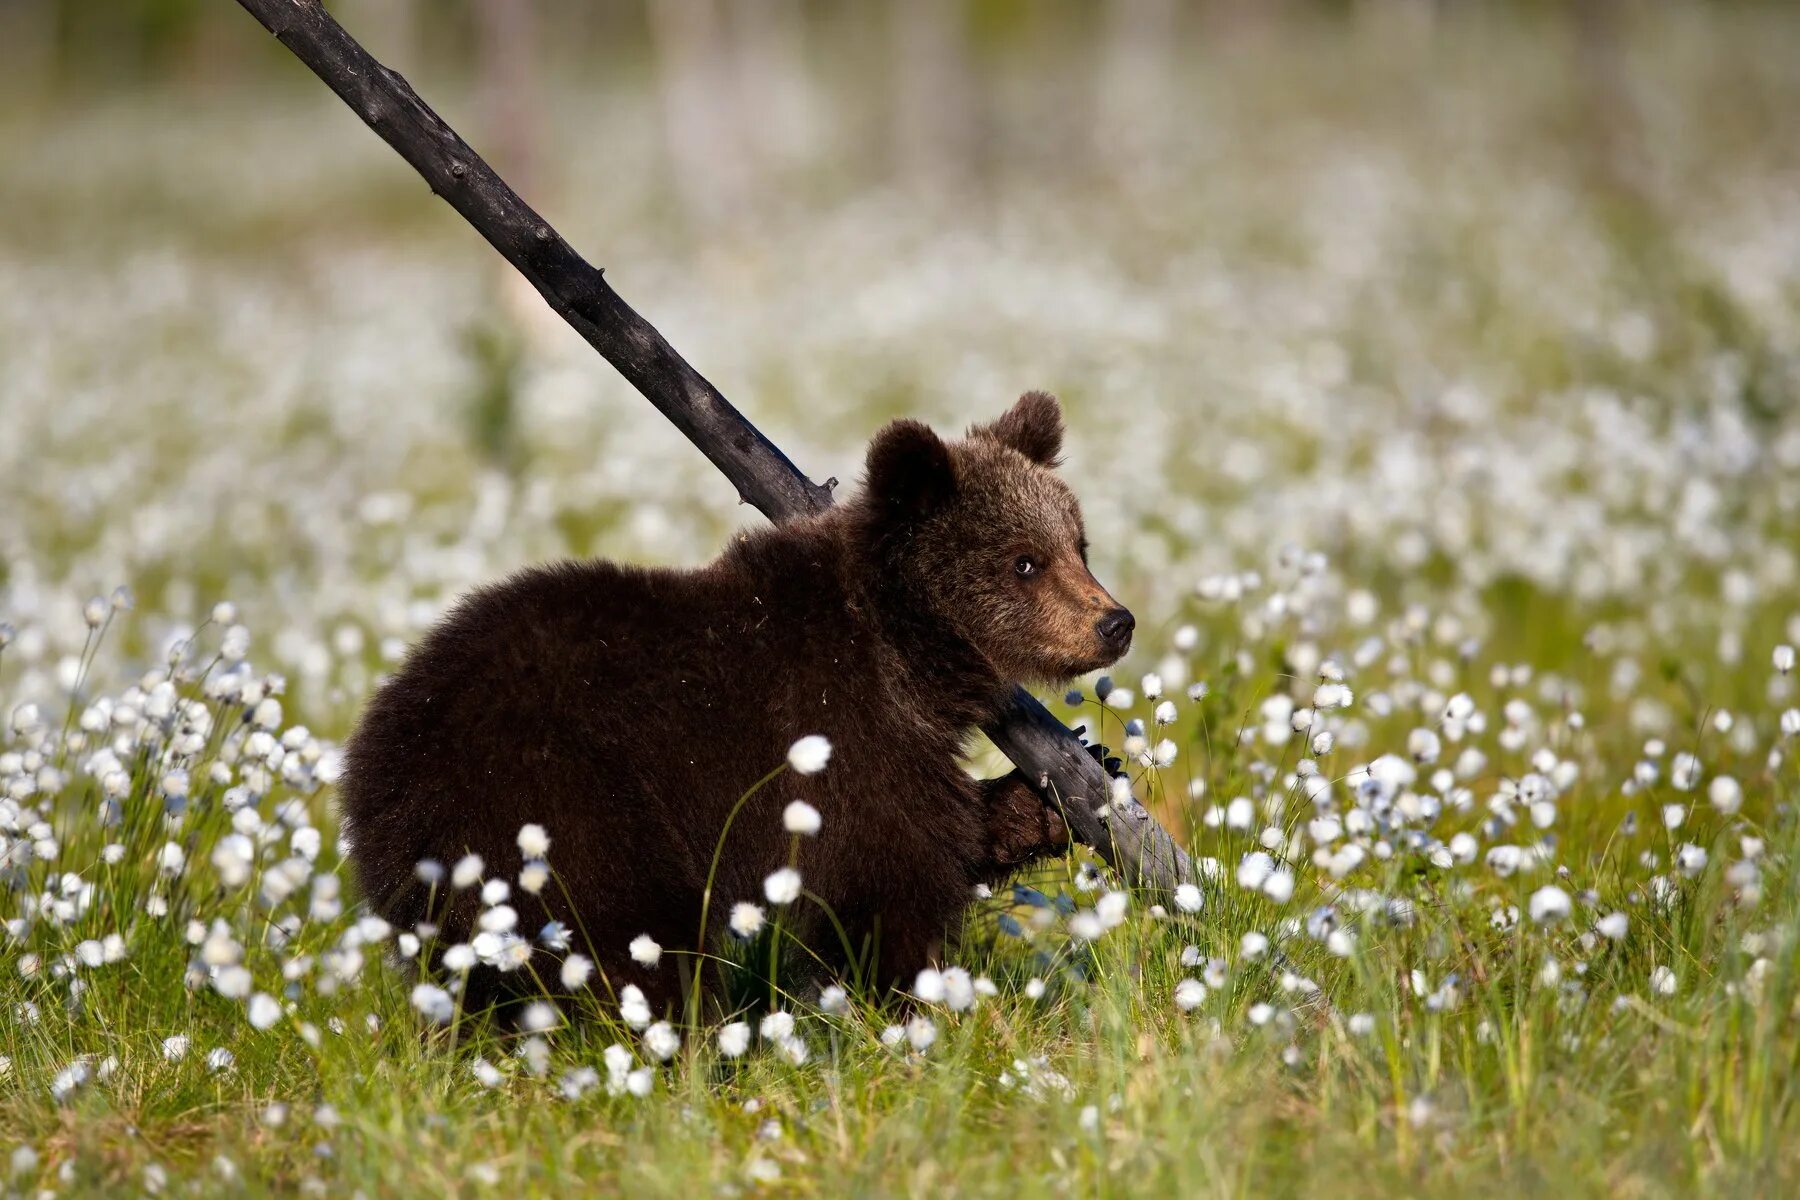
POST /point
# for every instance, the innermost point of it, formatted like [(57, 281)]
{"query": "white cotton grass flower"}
[(1086, 926), (1783, 658), (467, 871), (25, 718), (175, 1048), (809, 755), (959, 989), (734, 1039), (1663, 981), (1279, 886), (1254, 870), (1258, 872), (263, 1011), (1424, 745), (502, 918), (576, 969), (24, 1160), (645, 950), (746, 919), (1188, 898), (1725, 794), (69, 1080), (233, 982), (782, 886), (799, 817), (1328, 696), (1119, 794), (776, 1025), (267, 713), (533, 841), (661, 1041), (1189, 995), (634, 1006), (1112, 908), (928, 986), (539, 1016), (1549, 904), (576, 1082), (619, 1061), (433, 1003), (1613, 926)]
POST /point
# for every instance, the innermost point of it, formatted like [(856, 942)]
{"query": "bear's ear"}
[(1032, 426), (909, 472)]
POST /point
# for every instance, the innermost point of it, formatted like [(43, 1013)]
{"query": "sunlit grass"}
[(1413, 1023)]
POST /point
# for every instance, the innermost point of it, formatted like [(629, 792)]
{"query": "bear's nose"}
[(1115, 627)]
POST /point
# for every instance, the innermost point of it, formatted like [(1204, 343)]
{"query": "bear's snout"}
[(1115, 628)]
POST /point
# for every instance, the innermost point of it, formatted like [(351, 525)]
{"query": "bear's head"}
[(983, 535)]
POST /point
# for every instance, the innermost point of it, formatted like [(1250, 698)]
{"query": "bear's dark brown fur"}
[(626, 710)]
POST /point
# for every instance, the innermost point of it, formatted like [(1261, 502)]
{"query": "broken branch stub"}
[(1132, 841)]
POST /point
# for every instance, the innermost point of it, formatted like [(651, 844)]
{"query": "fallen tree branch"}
[(1128, 837)]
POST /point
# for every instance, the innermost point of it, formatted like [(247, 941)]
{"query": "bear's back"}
[(622, 708)]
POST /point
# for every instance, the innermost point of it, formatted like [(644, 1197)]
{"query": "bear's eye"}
[(1026, 566)]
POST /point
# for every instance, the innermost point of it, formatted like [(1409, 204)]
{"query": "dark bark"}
[(1132, 841), (1128, 837)]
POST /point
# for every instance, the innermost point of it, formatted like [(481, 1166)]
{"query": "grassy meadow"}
[(1432, 400)]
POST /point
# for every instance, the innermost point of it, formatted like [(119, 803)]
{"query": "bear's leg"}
[(1021, 827), (907, 944)]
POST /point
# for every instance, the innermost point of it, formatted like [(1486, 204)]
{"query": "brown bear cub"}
[(627, 709)]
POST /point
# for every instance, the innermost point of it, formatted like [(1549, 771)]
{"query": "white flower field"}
[(1436, 412)]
